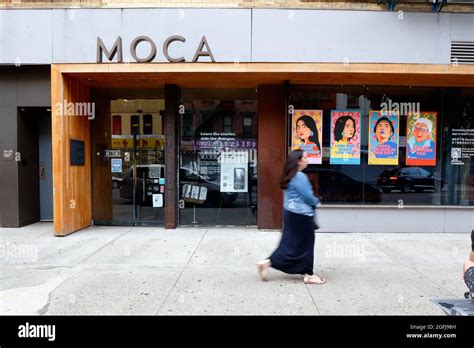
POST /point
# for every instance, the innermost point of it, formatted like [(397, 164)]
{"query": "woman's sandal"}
[(262, 268), (313, 279)]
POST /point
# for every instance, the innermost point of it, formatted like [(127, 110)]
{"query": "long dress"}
[(295, 253)]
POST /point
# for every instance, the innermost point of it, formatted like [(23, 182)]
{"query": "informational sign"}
[(8, 155), (234, 171), (208, 163), (113, 153), (116, 165), (383, 137), (156, 171), (345, 137), (306, 133), (462, 145), (421, 139), (221, 141), (76, 152), (194, 193), (157, 200)]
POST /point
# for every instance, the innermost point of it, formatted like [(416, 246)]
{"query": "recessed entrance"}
[(134, 154)]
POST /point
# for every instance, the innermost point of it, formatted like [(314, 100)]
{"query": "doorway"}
[(135, 156), (45, 166)]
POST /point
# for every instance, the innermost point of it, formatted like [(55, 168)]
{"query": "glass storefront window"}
[(434, 125), (136, 156), (218, 162)]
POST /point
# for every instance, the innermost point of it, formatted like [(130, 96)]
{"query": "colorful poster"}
[(306, 130), (421, 139), (345, 137), (383, 137)]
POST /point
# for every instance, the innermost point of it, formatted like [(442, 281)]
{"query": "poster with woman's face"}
[(345, 137), (421, 139), (383, 137), (307, 127)]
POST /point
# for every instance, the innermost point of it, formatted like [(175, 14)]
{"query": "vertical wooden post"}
[(71, 184), (171, 155), (271, 154)]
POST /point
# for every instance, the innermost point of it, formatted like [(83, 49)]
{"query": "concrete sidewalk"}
[(138, 270)]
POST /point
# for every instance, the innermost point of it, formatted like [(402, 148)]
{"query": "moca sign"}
[(202, 50)]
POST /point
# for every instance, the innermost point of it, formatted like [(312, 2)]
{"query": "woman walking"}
[(295, 254)]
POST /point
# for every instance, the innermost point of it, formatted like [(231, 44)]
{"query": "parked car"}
[(334, 186), (408, 179), (116, 181), (215, 197)]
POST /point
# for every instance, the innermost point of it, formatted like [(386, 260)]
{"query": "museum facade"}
[(184, 117)]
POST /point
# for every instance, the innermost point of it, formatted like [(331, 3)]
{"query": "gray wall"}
[(246, 35), (19, 86), (393, 219)]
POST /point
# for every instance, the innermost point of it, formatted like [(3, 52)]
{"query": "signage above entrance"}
[(112, 153), (202, 50)]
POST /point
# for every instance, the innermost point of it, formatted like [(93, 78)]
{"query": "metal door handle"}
[(143, 187), (43, 171)]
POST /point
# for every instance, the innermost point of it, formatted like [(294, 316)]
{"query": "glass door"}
[(138, 177)]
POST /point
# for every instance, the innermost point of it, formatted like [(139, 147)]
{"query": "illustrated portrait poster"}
[(306, 130), (383, 137), (345, 137), (421, 139)]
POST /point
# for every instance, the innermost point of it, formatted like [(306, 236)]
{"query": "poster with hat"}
[(421, 139)]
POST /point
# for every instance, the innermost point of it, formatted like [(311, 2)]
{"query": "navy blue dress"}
[(295, 253)]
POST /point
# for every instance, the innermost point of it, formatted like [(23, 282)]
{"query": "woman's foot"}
[(262, 268), (313, 279)]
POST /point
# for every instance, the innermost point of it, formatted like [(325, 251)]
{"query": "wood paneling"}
[(271, 154), (101, 173), (245, 75), (71, 82), (71, 184)]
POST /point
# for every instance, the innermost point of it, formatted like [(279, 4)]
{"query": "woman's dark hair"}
[(340, 125), (389, 122), (309, 122), (291, 167)]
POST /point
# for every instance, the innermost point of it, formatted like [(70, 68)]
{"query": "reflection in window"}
[(228, 128), (247, 130), (147, 124), (117, 125), (216, 190), (135, 124), (187, 125), (449, 182)]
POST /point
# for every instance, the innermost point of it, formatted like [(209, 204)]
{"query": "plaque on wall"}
[(76, 152)]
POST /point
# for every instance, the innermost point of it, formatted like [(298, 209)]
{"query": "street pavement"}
[(212, 271)]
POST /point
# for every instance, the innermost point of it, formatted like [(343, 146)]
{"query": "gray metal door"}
[(46, 168)]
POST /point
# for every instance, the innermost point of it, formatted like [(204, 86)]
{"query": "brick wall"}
[(315, 4)]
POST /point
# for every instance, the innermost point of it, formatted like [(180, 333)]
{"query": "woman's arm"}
[(303, 186)]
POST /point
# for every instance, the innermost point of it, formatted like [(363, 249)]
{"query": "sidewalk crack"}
[(180, 274), (312, 298), (103, 246)]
